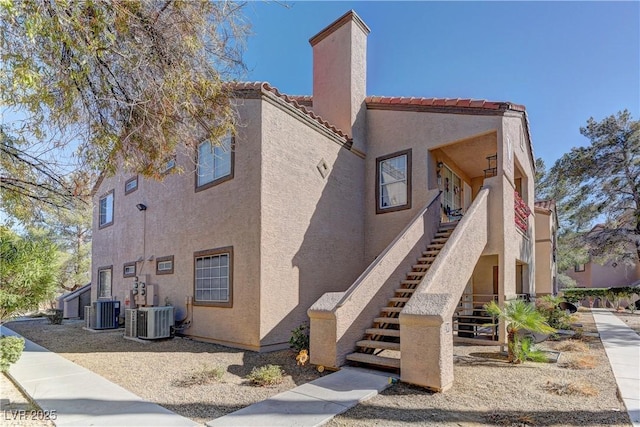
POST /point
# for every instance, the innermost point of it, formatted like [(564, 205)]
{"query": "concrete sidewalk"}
[(622, 346), (311, 404), (79, 397)]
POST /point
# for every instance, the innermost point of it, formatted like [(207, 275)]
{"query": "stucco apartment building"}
[(340, 208), (611, 274)]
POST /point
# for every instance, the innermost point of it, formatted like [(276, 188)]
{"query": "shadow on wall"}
[(331, 255)]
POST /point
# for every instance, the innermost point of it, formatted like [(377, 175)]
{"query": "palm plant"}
[(519, 316)]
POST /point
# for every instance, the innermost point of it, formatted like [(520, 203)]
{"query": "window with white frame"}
[(105, 212), (393, 186), (213, 277), (104, 282), (214, 163), (164, 265)]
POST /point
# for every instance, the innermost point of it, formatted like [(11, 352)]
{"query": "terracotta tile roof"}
[(445, 102), (266, 88), (306, 100)]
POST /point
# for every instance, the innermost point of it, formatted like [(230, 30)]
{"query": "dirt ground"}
[(577, 390)]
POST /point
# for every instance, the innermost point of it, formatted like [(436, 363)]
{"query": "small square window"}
[(170, 164), (164, 265), (129, 269), (580, 268), (131, 185), (105, 214)]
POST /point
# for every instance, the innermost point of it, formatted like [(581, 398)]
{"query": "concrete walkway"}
[(622, 345), (311, 404), (79, 397)]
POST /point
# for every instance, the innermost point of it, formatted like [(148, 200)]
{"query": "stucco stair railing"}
[(339, 319), (380, 346), (426, 319)]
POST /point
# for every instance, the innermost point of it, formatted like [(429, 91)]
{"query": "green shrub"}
[(523, 349), (55, 317), (300, 338), (554, 315), (265, 376), (10, 351), (203, 376)]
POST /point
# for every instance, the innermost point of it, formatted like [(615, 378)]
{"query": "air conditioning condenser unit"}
[(154, 322), (102, 315)]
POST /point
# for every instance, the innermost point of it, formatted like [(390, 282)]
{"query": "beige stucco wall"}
[(605, 276), (545, 266), (391, 131), (483, 275), (312, 228), (180, 221), (513, 156)]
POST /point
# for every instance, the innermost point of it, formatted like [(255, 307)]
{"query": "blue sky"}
[(565, 61)]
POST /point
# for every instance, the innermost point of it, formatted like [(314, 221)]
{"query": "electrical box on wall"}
[(129, 299), (144, 294)]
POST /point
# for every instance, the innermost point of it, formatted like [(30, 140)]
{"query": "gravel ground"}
[(160, 371), (487, 390)]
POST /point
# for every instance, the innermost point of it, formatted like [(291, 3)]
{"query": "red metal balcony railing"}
[(522, 213)]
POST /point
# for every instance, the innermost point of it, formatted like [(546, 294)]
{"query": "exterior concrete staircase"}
[(380, 346)]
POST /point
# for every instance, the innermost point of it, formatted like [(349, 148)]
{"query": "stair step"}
[(429, 258), (423, 266), (387, 320), (435, 245), (398, 299), (370, 359), (440, 239), (379, 344), (405, 290), (383, 332), (431, 252), (391, 309), (416, 273), (411, 282)]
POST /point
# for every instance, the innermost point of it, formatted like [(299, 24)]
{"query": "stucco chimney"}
[(340, 75)]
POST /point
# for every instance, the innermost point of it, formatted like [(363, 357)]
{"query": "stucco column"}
[(323, 337), (426, 343)]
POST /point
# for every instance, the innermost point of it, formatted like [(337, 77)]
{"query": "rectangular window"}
[(164, 265), (213, 277), (104, 282), (131, 185), (579, 268), (393, 182), (129, 269), (214, 163), (106, 210)]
